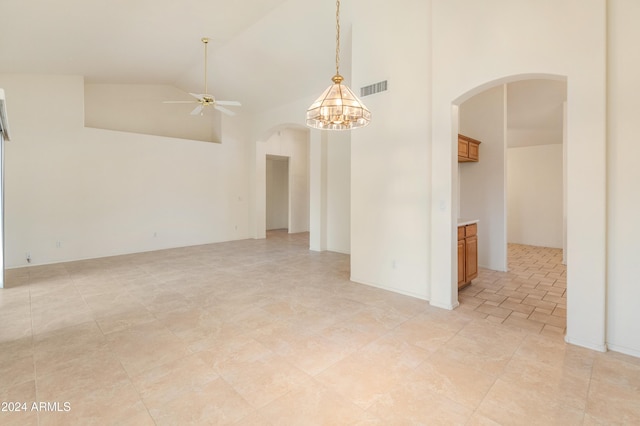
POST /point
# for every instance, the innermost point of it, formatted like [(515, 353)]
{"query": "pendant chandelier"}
[(337, 108)]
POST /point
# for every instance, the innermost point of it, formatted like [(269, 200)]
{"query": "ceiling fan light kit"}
[(206, 99), (338, 108)]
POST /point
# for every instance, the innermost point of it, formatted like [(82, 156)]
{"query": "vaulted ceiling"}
[(255, 44), (262, 52)]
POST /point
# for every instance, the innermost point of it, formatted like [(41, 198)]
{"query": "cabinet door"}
[(474, 153), (468, 149), (461, 262), (471, 258), (463, 148), (470, 230)]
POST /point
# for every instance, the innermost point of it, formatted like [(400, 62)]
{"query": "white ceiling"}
[(535, 112), (255, 43), (263, 52)]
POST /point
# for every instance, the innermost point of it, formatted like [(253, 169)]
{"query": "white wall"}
[(390, 173), (623, 315), (293, 144), (277, 182), (481, 44), (482, 184), (534, 195), (338, 182), (101, 193), (139, 108)]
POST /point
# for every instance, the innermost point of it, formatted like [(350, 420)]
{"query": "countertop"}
[(463, 222)]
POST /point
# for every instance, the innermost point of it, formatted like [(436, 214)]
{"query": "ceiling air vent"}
[(373, 88)]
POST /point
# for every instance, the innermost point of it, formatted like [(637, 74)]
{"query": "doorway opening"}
[(283, 202), (516, 191), (277, 193)]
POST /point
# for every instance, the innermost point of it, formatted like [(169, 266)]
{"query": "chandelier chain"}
[(338, 108), (337, 37)]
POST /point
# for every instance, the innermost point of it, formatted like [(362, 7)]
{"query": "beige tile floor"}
[(531, 296), (265, 332)]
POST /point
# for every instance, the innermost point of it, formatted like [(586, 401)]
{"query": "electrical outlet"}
[(28, 256)]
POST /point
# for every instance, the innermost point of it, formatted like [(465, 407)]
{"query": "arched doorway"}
[(586, 206), (516, 193)]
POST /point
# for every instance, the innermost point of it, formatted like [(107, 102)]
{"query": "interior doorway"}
[(517, 191), (277, 193), (285, 150), (536, 199), (535, 162)]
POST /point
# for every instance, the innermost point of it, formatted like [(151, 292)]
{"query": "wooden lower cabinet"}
[(467, 254), (470, 258), (461, 256)]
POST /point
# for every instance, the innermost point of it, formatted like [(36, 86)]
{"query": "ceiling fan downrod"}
[(205, 40)]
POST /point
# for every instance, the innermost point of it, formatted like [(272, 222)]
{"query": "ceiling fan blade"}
[(205, 99), (223, 109)]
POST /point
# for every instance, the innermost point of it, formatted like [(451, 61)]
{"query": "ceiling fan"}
[(206, 99)]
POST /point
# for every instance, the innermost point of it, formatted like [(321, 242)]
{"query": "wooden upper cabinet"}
[(468, 149)]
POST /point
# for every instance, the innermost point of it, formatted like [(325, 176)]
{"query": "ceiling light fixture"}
[(338, 108)]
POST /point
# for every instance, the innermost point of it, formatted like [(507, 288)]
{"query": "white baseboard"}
[(446, 306), (392, 289), (600, 347), (623, 350)]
